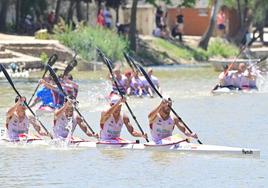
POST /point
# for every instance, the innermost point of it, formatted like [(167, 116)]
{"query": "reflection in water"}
[(164, 158), (113, 153)]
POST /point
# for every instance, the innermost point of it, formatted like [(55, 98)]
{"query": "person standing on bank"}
[(180, 24)]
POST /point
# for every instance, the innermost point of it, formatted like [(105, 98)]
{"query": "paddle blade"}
[(56, 80), (70, 67), (52, 60)]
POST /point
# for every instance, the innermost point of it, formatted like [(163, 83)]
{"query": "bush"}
[(178, 51), (85, 40), (41, 34), (43, 57), (220, 47)]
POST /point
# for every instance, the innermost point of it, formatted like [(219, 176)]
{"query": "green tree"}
[(207, 35), (4, 4), (250, 13)]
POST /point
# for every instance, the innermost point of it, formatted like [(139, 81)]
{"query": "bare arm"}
[(85, 129), (153, 114), (60, 111), (12, 110), (183, 129), (130, 127), (105, 115), (48, 85), (37, 126)]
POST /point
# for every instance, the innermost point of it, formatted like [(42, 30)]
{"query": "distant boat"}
[(24, 74)]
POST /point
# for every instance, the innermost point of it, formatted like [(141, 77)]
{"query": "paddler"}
[(121, 81), (17, 121), (45, 95), (162, 123), (65, 121), (154, 80), (112, 121)]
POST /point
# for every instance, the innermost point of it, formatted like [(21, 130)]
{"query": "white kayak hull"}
[(226, 90), (183, 147)]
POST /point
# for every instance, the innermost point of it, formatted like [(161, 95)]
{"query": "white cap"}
[(114, 99)]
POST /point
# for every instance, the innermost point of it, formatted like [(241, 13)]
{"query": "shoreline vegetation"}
[(152, 50)]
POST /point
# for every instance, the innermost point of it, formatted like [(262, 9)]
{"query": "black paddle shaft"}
[(56, 80), (108, 64), (16, 91), (51, 62), (128, 61), (159, 94)]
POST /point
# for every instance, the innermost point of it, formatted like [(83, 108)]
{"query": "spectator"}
[(28, 25), (180, 25), (107, 17), (122, 29), (175, 32), (100, 18), (246, 39), (51, 20), (158, 16), (221, 22), (161, 32)]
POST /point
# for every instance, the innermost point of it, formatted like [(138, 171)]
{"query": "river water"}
[(231, 120)]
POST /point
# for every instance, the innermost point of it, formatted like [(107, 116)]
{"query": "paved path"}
[(5, 39)]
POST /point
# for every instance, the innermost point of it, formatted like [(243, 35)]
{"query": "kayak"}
[(226, 90), (24, 74), (174, 143), (24, 139), (44, 109)]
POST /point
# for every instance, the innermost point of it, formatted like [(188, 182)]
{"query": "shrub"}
[(220, 47), (43, 57), (85, 40), (41, 34)]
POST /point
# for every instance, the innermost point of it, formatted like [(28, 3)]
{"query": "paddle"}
[(132, 62), (51, 62), (107, 62), (16, 91), (70, 65), (56, 80), (129, 61), (260, 60), (159, 94)]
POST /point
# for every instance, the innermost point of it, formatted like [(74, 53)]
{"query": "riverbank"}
[(152, 50)]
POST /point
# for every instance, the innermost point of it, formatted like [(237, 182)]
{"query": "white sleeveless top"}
[(15, 127), (162, 128), (111, 129), (63, 125)]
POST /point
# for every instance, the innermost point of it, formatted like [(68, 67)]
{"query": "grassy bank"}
[(153, 51), (85, 40), (168, 51)]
